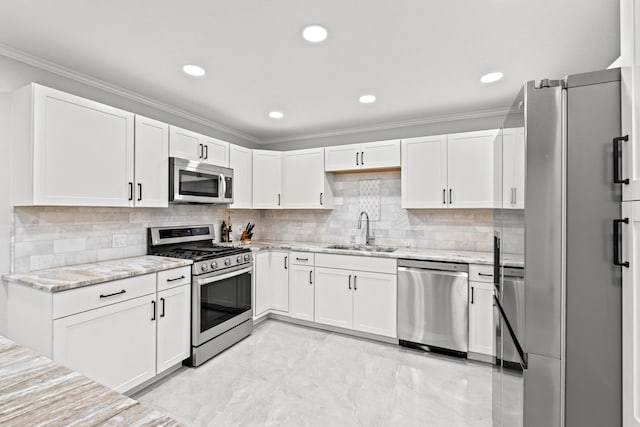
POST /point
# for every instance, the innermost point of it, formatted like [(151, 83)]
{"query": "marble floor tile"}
[(289, 375)]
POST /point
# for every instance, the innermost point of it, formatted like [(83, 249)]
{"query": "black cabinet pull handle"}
[(357, 163), (113, 294), (355, 287), (162, 300), (362, 158), (174, 279), (206, 152), (321, 199), (285, 262), (154, 310), (472, 294), (311, 277), (485, 274), (617, 157), (302, 259), (450, 196), (139, 192), (201, 154), (278, 199), (444, 196), (616, 240), (350, 281), (131, 191)]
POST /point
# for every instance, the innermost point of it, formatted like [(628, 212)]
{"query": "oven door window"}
[(223, 300), (199, 184)]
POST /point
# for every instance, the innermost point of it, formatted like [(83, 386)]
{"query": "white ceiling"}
[(419, 57)]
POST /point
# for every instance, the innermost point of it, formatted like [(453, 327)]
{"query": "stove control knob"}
[(214, 265), (247, 257), (227, 261), (239, 259), (204, 267)]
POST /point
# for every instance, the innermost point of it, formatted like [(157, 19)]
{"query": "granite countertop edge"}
[(76, 276)]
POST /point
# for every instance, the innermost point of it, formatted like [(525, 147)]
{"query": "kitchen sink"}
[(363, 248)]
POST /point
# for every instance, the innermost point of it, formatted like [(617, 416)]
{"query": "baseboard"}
[(153, 380)]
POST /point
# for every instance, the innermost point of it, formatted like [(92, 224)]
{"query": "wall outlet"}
[(119, 240)]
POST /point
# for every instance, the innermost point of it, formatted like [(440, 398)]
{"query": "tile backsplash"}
[(45, 237)]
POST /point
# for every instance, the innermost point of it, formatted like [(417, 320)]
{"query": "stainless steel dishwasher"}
[(433, 305)]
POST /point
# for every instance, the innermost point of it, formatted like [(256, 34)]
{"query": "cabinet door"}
[(630, 309), (262, 283), (380, 154), (301, 292), (303, 178), (424, 172), (508, 168), (83, 151), (216, 152), (374, 303), (174, 326), (113, 345), (185, 144), (481, 328), (470, 169), (241, 161), (334, 297), (519, 170), (280, 263), (267, 179), (151, 163), (342, 157)]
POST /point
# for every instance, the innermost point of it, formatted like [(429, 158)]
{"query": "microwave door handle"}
[(224, 186)]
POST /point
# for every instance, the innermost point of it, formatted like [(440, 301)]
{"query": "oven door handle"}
[(202, 282)]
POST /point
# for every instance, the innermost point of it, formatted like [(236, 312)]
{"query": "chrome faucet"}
[(369, 238)]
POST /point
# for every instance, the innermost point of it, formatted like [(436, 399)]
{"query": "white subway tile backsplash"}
[(69, 245)]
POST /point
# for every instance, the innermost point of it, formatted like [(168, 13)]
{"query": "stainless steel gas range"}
[(220, 286)]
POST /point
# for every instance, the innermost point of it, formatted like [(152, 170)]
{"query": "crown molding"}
[(496, 112), (63, 71)]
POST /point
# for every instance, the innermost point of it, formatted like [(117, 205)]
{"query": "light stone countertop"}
[(35, 390), (466, 257), (76, 276)]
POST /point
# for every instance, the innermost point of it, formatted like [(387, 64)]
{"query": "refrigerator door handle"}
[(616, 241), (616, 160)]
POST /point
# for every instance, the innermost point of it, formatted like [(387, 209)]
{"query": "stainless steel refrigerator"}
[(559, 344)]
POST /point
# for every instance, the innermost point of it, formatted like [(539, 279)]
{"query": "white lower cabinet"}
[(174, 315), (113, 345), (272, 282), (481, 315), (301, 292), (358, 300), (120, 333)]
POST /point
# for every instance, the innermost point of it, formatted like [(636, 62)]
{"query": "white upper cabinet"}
[(371, 155), (424, 172), (190, 145), (70, 151), (267, 179), (304, 181), (241, 161), (151, 163), (513, 153), (470, 169)]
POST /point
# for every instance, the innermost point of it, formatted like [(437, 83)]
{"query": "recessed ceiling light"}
[(276, 114), (491, 77), (367, 99), (314, 33), (193, 70)]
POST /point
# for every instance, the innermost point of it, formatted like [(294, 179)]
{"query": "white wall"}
[(5, 209)]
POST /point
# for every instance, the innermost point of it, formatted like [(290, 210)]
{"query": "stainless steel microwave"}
[(197, 182)]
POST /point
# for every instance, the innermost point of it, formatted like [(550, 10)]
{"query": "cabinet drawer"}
[(168, 279), (361, 263), (74, 301), (302, 258), (481, 273)]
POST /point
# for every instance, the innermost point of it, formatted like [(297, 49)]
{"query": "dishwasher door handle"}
[(433, 272)]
